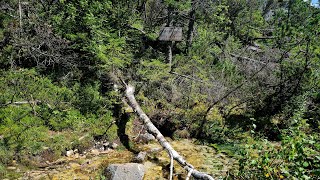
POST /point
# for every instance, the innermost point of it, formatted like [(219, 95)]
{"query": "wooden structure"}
[(170, 34)]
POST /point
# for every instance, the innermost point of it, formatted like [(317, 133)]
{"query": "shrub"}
[(296, 157)]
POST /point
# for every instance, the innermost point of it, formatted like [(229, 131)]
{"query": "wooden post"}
[(169, 55), (170, 34)]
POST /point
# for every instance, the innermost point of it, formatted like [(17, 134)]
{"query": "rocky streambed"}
[(155, 162)]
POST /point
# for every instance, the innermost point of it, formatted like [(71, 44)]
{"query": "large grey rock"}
[(129, 171)]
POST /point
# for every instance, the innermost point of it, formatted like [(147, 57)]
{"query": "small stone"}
[(69, 153), (140, 157), (95, 152), (76, 155), (75, 151), (106, 145), (113, 145)]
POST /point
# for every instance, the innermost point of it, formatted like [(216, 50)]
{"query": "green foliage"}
[(248, 23), (2, 170), (179, 5), (46, 109), (27, 85), (254, 64), (297, 156), (71, 119), (22, 132), (93, 28)]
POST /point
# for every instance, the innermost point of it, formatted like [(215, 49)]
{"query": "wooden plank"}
[(171, 34)]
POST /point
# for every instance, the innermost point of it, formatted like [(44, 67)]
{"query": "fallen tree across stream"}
[(129, 94)]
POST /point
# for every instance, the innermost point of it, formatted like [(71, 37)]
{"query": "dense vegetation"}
[(246, 76)]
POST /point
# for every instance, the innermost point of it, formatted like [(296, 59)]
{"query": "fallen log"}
[(129, 93)]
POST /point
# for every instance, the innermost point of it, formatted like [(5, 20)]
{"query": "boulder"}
[(140, 157), (146, 137), (132, 171)]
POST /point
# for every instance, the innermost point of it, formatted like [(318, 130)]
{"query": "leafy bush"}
[(36, 115), (2, 170), (296, 157)]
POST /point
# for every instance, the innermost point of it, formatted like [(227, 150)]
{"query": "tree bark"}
[(170, 43), (192, 19), (20, 15), (129, 93)]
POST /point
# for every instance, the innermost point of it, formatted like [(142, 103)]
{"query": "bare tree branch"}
[(246, 58), (21, 103), (185, 76)]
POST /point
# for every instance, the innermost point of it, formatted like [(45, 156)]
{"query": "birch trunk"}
[(129, 93)]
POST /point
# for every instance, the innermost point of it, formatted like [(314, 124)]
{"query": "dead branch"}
[(264, 37), (140, 30), (185, 76), (204, 119), (189, 174), (171, 165), (129, 93), (21, 103), (246, 58)]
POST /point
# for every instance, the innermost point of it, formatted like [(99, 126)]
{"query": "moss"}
[(178, 134)]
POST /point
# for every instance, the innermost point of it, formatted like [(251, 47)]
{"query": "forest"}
[(243, 80)]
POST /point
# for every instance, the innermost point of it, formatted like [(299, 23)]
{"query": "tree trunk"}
[(129, 93), (170, 43), (192, 19)]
